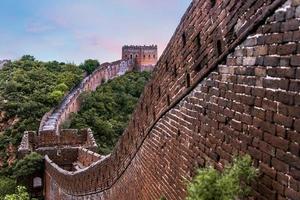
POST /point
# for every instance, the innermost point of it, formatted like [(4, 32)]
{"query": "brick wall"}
[(51, 142), (228, 83), (144, 56), (87, 157)]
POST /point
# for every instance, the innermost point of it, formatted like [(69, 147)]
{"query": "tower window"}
[(213, 3), (188, 80), (175, 71), (168, 100), (136, 56), (219, 47), (183, 38), (167, 66), (131, 56), (149, 56), (198, 41), (153, 56), (144, 56)]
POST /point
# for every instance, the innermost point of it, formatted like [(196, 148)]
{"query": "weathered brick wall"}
[(144, 56), (87, 157), (228, 83)]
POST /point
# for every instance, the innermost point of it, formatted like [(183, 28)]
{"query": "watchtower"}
[(144, 56)]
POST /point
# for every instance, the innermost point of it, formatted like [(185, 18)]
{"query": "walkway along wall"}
[(228, 83), (52, 120)]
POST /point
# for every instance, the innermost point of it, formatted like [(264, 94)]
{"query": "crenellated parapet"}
[(49, 140)]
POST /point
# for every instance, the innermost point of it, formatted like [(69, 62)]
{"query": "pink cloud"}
[(95, 42), (74, 16)]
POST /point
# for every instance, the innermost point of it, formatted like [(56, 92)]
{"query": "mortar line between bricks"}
[(260, 17)]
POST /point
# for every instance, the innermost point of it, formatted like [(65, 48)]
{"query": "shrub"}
[(209, 184), (21, 194), (28, 165), (7, 186)]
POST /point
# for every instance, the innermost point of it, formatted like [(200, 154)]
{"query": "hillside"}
[(107, 110), (28, 89)]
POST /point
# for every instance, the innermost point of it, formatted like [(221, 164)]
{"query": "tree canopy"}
[(28, 89), (90, 65), (209, 184)]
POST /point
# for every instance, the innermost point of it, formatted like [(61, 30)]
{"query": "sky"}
[(76, 30)]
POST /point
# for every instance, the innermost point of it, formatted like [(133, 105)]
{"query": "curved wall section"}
[(52, 120), (230, 86)]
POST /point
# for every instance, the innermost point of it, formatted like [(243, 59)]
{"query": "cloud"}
[(74, 16), (95, 43), (38, 27)]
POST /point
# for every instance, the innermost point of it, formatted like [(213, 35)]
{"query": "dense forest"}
[(28, 89), (107, 110)]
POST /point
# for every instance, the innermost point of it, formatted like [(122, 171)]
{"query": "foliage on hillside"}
[(107, 110), (28, 89), (89, 65), (20, 194), (19, 171), (209, 184)]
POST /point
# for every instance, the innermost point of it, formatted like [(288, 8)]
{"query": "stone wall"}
[(228, 83), (71, 104), (50, 141), (87, 157), (145, 56)]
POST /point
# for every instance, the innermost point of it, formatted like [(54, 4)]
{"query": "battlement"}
[(50, 140), (148, 47), (145, 56)]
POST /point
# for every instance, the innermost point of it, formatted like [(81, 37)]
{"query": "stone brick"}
[(274, 38), (276, 141), (288, 37), (249, 61), (295, 85), (295, 60), (283, 120), (292, 194), (280, 166), (286, 49), (261, 50), (271, 61), (290, 25), (282, 72)]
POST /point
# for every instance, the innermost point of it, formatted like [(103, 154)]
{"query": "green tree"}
[(90, 65), (21, 194), (28, 58), (7, 186), (55, 96), (209, 184), (28, 165)]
